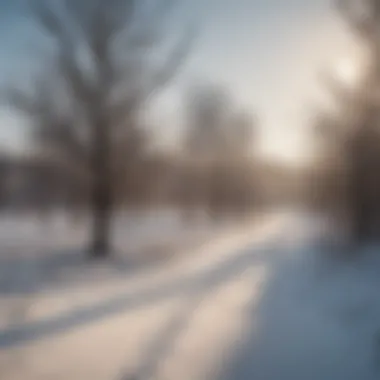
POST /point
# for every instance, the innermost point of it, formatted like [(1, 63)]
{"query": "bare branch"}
[(359, 15), (70, 69), (48, 18), (170, 68), (76, 82), (33, 104)]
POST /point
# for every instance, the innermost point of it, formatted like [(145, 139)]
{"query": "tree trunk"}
[(100, 245), (362, 206), (361, 222), (101, 202)]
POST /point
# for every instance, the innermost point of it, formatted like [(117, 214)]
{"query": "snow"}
[(318, 318), (260, 300)]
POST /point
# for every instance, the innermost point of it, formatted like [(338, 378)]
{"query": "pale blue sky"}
[(267, 52)]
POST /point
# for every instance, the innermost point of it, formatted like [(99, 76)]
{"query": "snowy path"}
[(126, 326), (255, 304)]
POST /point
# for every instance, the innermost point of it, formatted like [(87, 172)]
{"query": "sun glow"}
[(348, 71)]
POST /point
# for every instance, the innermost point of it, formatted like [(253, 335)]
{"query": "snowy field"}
[(49, 252), (259, 300)]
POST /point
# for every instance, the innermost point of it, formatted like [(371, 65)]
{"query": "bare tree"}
[(218, 142), (107, 64), (207, 113), (352, 132), (216, 127)]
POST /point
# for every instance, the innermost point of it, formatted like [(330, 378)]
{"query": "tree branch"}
[(170, 68), (360, 19)]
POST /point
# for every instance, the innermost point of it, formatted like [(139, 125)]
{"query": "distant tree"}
[(218, 143), (105, 68), (208, 110)]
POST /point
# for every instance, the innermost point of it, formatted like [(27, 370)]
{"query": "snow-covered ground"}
[(256, 301), (49, 252)]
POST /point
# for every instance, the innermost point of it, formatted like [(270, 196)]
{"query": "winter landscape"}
[(189, 190)]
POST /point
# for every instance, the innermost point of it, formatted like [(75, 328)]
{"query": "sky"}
[(267, 53)]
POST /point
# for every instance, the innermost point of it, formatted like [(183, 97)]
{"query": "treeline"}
[(43, 185)]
